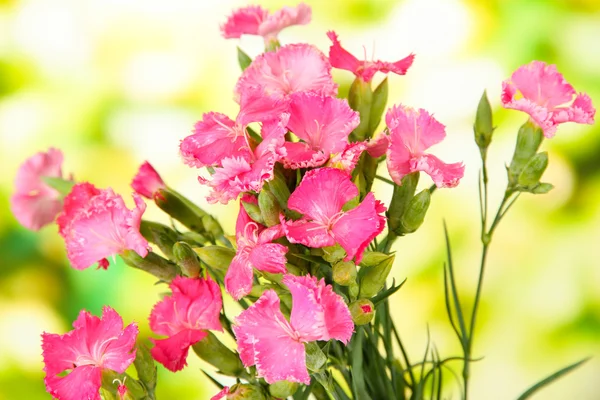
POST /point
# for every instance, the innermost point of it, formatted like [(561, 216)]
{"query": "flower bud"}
[(145, 367), (147, 181), (187, 259), (211, 350), (161, 235), (344, 273), (362, 311), (372, 258), (415, 212), (269, 208), (245, 391), (533, 170), (217, 258), (483, 127), (253, 210), (529, 140), (380, 97), (353, 290), (360, 98), (373, 279), (283, 389), (333, 254), (400, 199), (212, 226), (180, 208), (153, 264)]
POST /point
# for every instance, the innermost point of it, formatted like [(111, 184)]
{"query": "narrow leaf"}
[(550, 379)]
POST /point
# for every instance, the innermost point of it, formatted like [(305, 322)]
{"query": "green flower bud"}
[(145, 367), (344, 273), (415, 212), (529, 140), (283, 389), (373, 278), (187, 259), (400, 199), (245, 391), (360, 98), (211, 350), (212, 226), (372, 258), (379, 101), (362, 311), (253, 211), (333, 254), (153, 264), (533, 170), (217, 258), (353, 290), (161, 235), (483, 127), (180, 208), (269, 208)]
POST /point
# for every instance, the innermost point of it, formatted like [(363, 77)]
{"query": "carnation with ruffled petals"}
[(96, 224), (95, 344), (542, 92), (184, 316), (34, 203), (411, 133), (254, 250), (255, 20), (320, 197), (268, 340), (292, 68), (323, 123), (147, 181), (365, 70)]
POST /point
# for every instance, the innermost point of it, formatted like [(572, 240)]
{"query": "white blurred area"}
[(158, 65)]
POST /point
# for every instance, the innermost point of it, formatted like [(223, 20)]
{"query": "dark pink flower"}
[(96, 224), (321, 197), (255, 20), (275, 345), (323, 123), (217, 137), (184, 316), (94, 345), (292, 68), (254, 250), (542, 92), (365, 70), (34, 203), (411, 133), (147, 181)]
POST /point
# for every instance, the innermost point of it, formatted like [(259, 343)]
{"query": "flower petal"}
[(269, 257), (81, 383), (172, 352)]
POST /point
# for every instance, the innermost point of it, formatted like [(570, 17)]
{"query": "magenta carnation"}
[(147, 181)]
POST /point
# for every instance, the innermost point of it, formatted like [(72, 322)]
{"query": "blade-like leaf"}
[(550, 379)]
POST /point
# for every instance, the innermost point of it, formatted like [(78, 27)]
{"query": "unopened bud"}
[(211, 350), (483, 127), (153, 264), (372, 258), (344, 273), (147, 181), (380, 97), (283, 389), (529, 139), (245, 391), (400, 199), (145, 367), (360, 98), (333, 254), (217, 258), (414, 215), (362, 311), (269, 208), (374, 278), (353, 290), (187, 259), (159, 234), (212, 226), (253, 211), (533, 170), (180, 208)]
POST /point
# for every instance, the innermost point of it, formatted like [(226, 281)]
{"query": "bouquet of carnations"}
[(313, 246)]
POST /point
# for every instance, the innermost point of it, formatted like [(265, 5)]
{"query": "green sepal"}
[(243, 59)]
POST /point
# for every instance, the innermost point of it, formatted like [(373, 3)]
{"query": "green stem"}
[(386, 180)]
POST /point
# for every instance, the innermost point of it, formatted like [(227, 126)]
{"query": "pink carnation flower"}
[(323, 123), (249, 173), (542, 92), (96, 224), (347, 159), (413, 132), (320, 197), (184, 316), (365, 70), (268, 340), (254, 250), (217, 137), (94, 345), (147, 181), (255, 20), (292, 68), (34, 203)]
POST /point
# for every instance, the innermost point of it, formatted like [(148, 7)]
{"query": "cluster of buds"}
[(306, 263)]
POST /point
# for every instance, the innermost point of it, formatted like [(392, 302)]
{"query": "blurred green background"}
[(113, 83)]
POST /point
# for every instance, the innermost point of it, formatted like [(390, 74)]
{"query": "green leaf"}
[(542, 188), (529, 139), (243, 59), (61, 185), (550, 379), (387, 293), (358, 379)]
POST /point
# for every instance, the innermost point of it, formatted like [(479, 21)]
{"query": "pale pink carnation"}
[(275, 345), (96, 224), (34, 203), (411, 133), (184, 316), (254, 250), (323, 123), (365, 70), (321, 197), (290, 69), (542, 92), (255, 20), (147, 181), (94, 345)]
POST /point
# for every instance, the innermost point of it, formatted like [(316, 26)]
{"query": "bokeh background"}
[(115, 82)]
